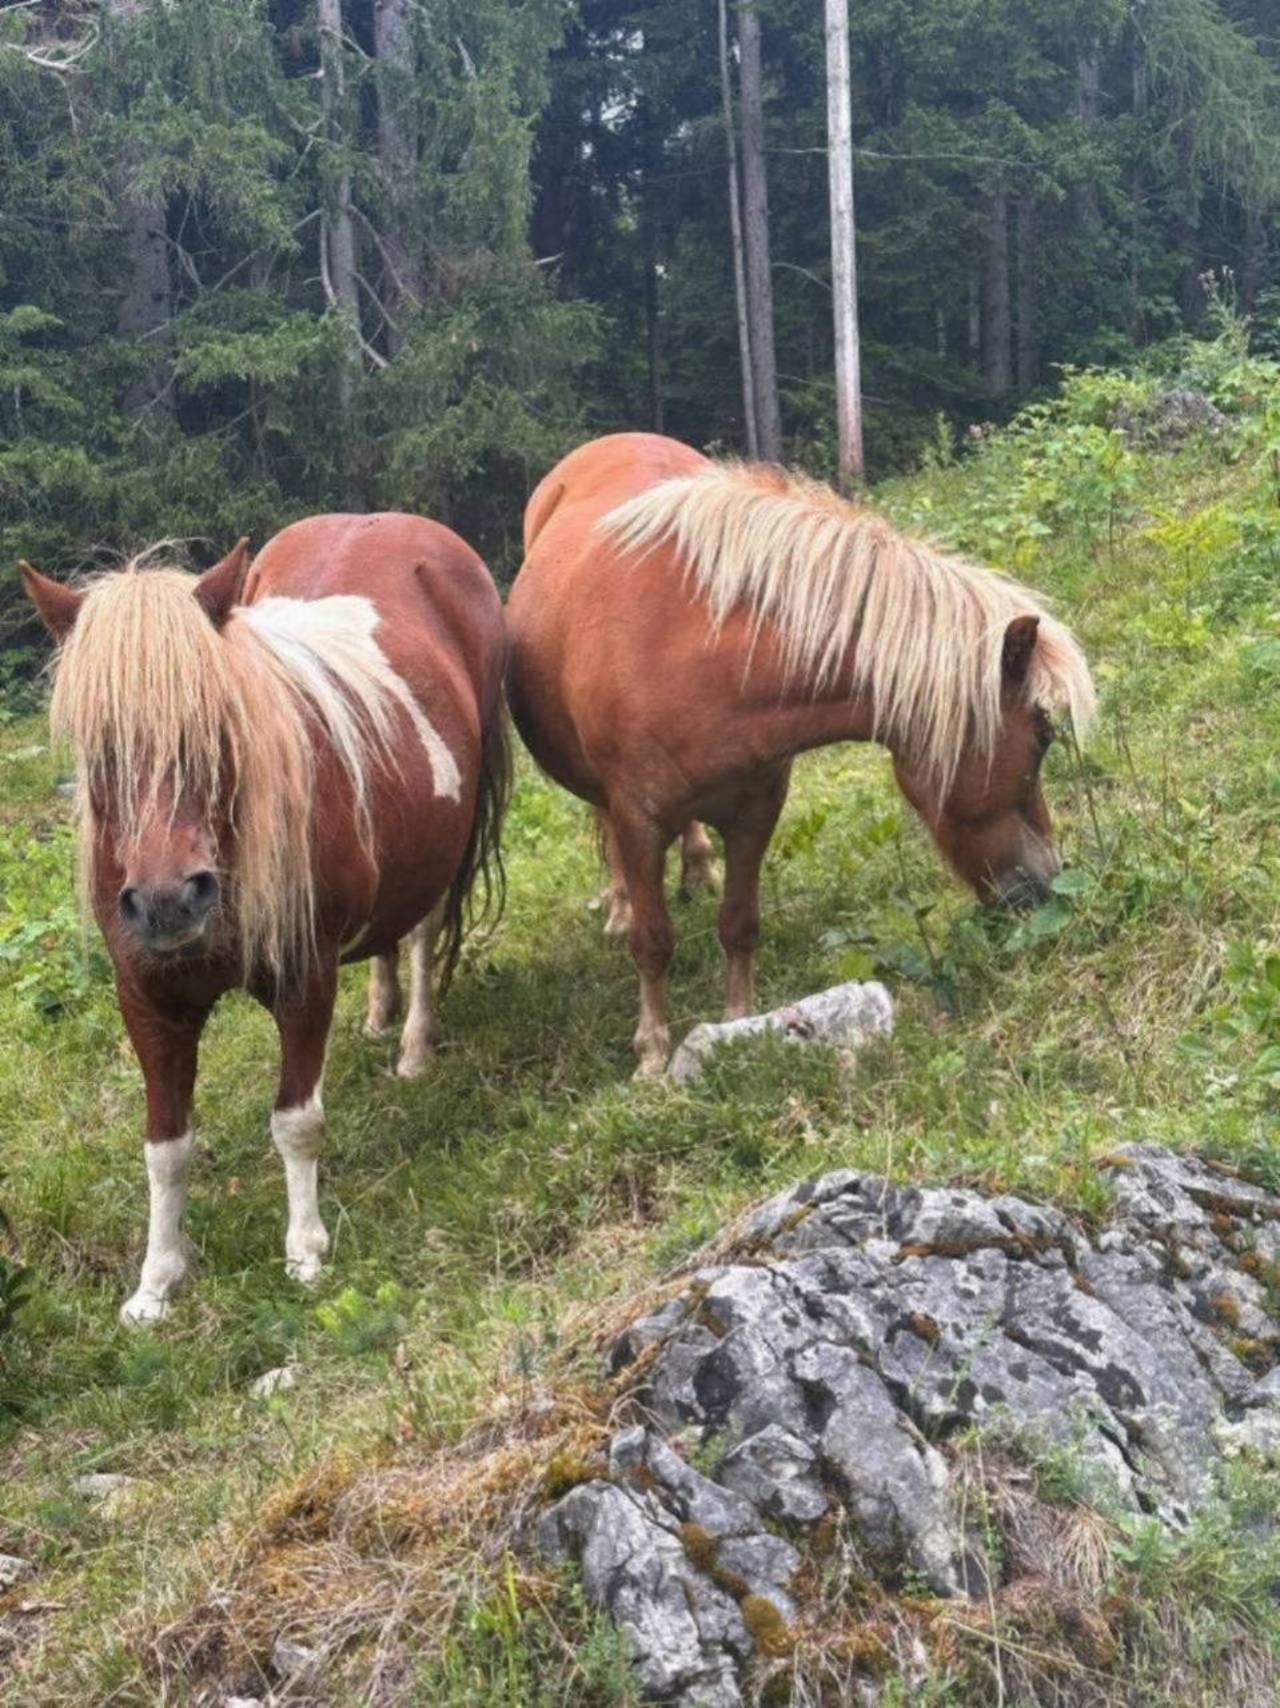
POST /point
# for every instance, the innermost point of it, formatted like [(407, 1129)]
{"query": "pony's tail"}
[(482, 863)]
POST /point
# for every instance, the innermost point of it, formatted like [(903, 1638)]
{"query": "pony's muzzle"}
[(166, 916)]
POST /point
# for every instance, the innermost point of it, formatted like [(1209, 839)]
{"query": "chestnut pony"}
[(278, 772), (681, 629)]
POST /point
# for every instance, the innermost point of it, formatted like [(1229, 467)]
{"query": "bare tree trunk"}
[(337, 234), (844, 261), (755, 202), (1186, 224), (995, 293), (735, 229), (146, 307), (652, 307), (1088, 91), (402, 289), (1137, 189), (1028, 354), (974, 319)]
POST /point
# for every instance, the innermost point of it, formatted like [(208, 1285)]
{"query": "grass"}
[(490, 1218)]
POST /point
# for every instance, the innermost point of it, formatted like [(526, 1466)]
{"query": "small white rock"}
[(14, 1570), (277, 1381), (294, 1660), (846, 1015), (98, 1484)]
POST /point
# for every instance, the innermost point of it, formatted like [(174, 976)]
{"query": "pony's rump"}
[(825, 575)]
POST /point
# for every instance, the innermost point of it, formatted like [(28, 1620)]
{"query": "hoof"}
[(373, 1030), (651, 1067), (705, 875), (413, 1064), (618, 923), (143, 1307), (305, 1270)]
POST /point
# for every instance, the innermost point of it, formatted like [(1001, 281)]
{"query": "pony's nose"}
[(159, 911), (1022, 889)]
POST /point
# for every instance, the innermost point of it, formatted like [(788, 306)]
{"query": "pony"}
[(280, 768), (682, 628)]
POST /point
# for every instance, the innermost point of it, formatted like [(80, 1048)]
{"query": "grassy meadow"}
[(491, 1220)]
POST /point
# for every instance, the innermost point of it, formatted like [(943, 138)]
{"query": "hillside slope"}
[(492, 1220)]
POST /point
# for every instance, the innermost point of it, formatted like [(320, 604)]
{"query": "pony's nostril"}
[(131, 908), (200, 892)]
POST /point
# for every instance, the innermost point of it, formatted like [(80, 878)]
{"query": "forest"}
[(265, 257)]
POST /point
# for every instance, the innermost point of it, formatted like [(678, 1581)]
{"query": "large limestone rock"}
[(854, 1329)]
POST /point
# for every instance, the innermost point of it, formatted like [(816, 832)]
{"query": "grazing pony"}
[(278, 773), (681, 629)]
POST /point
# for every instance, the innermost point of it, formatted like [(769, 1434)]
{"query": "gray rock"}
[(14, 1570), (854, 1328), (1171, 417), (278, 1381), (292, 1660), (847, 1015)]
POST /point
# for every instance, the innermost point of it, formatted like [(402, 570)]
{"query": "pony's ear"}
[(1019, 644), (58, 606), (219, 588)]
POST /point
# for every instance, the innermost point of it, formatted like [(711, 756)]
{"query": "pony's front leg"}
[(745, 840), (167, 1046), (297, 1124), (419, 1025), (642, 848)]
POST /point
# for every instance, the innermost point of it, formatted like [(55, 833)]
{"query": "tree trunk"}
[(995, 292), (1186, 224), (974, 319), (652, 305), (146, 307), (1088, 89), (1254, 261), (735, 230), (1137, 190), (755, 200), (844, 262), (1028, 355), (402, 288), (337, 236)]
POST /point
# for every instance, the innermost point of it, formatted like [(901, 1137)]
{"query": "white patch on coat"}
[(165, 1266), (296, 1133), (328, 646)]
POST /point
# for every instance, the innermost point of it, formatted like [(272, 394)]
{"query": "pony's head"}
[(147, 690), (987, 811)]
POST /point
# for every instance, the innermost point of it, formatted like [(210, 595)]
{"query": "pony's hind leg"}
[(384, 994), (420, 1028), (167, 1048), (746, 837), (697, 861), (297, 1123), (614, 897), (642, 848)]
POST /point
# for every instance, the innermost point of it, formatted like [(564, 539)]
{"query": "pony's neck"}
[(792, 716)]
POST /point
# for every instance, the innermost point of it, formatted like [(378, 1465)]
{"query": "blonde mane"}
[(158, 703), (920, 632)]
